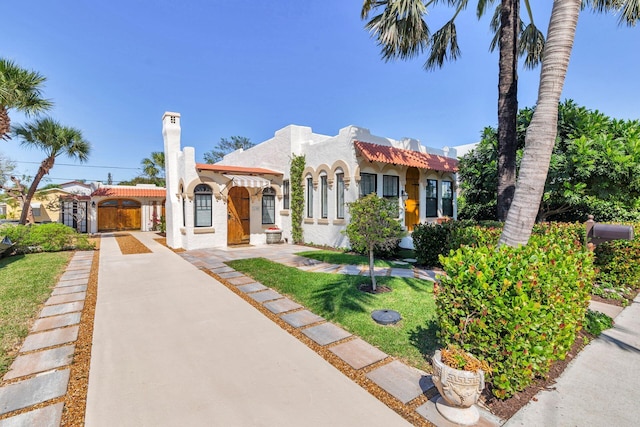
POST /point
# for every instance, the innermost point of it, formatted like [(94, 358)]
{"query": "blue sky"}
[(251, 67)]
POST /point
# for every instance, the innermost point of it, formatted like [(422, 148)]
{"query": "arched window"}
[(203, 206), (268, 206)]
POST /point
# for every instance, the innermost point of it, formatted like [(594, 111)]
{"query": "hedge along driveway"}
[(25, 283), (336, 297)]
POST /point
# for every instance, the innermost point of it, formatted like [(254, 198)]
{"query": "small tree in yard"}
[(374, 225)]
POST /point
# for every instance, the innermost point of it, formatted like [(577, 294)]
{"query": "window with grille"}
[(269, 206), (203, 206)]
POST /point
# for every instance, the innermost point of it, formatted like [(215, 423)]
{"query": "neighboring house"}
[(95, 207), (126, 207), (238, 199)]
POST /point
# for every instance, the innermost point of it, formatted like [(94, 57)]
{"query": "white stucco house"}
[(239, 199)]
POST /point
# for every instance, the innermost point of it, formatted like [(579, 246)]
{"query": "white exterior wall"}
[(324, 155)]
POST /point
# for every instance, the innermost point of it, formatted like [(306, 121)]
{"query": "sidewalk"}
[(601, 387), (172, 346)]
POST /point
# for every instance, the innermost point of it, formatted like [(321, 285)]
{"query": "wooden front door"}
[(412, 205), (238, 214), (119, 214)]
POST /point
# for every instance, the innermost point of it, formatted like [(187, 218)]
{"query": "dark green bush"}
[(50, 237), (596, 322), (519, 309)]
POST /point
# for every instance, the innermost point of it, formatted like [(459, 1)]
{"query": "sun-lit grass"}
[(333, 257), (25, 283), (336, 298)]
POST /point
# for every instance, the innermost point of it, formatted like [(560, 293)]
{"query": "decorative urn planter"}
[(274, 235), (459, 391)]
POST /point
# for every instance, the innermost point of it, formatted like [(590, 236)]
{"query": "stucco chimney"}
[(171, 136)]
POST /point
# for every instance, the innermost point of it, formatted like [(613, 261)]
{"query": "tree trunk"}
[(371, 272), (44, 169), (541, 133), (5, 123), (507, 105)]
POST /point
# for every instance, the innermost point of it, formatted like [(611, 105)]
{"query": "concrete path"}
[(601, 387), (172, 346)]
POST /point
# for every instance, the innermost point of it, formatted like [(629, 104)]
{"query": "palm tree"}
[(154, 166), (402, 33), (541, 133), (55, 140), (20, 89)]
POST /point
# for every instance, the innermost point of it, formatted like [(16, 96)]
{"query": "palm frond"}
[(444, 46), (531, 46), (399, 29), (482, 7), (630, 13)]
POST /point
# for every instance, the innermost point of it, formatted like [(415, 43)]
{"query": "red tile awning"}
[(399, 156), (129, 192)]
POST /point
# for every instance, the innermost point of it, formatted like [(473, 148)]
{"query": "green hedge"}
[(618, 264), (50, 237), (519, 309)]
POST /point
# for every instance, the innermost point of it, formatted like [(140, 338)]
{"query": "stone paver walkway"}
[(40, 373)]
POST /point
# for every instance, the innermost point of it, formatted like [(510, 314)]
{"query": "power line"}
[(80, 166)]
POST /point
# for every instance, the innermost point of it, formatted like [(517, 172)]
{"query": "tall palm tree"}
[(20, 89), (541, 133), (153, 167), (54, 140), (402, 33)]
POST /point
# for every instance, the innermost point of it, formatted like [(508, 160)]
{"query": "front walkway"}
[(172, 346)]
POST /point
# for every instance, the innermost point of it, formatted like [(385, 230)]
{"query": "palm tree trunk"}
[(44, 169), (541, 133), (5, 123), (507, 105)]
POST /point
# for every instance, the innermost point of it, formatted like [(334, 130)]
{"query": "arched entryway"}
[(412, 205), (119, 214), (238, 216)]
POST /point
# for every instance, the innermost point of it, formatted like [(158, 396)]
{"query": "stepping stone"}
[(68, 289), (241, 280), (281, 305), (35, 390), (252, 287), (401, 381), (61, 299), (50, 338), (40, 361), (431, 414), (400, 262), (425, 275), (358, 353), (265, 295), (53, 310), (326, 333), (352, 270), (73, 275), (410, 260), (301, 318), (402, 272), (56, 322), (327, 268), (225, 269), (74, 282), (230, 274), (47, 416)]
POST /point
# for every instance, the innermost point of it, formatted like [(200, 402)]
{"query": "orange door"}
[(238, 223), (119, 214), (412, 205)]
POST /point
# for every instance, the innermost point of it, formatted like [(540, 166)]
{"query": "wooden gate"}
[(238, 214), (119, 214), (412, 205)]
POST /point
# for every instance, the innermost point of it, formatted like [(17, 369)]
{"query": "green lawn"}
[(25, 283), (336, 298), (333, 257)]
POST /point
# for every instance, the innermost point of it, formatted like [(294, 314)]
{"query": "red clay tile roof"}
[(129, 192), (399, 156), (235, 169)]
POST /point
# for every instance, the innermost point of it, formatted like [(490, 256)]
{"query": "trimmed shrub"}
[(518, 309), (52, 237), (618, 264)]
